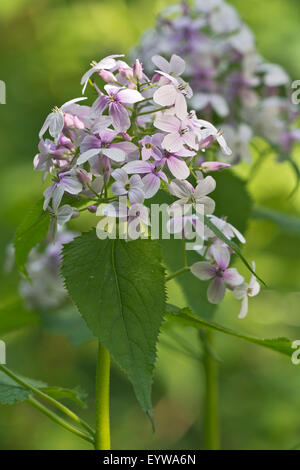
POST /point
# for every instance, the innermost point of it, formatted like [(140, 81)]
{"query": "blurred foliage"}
[(45, 47)]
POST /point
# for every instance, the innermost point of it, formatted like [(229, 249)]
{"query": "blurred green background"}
[(45, 47)]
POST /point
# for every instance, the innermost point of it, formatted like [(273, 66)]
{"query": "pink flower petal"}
[(216, 290), (178, 168), (203, 270), (165, 96)]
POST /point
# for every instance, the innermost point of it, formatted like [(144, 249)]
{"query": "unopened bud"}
[(126, 73), (92, 209), (207, 167), (83, 177), (138, 70), (107, 76)]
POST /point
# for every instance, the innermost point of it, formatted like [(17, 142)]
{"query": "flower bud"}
[(92, 209), (107, 76), (126, 73), (207, 167), (138, 70), (83, 177)]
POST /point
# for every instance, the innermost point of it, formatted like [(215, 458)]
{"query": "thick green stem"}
[(50, 400), (57, 419), (102, 438), (211, 405)]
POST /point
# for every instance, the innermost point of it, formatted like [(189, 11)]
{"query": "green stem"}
[(57, 419), (153, 111), (102, 438), (211, 406), (178, 273), (46, 397)]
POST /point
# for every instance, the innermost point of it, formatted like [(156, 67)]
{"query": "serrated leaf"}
[(186, 317), (31, 231), (118, 287), (12, 392)]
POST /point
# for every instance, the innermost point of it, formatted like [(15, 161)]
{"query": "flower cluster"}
[(136, 138), (233, 85)]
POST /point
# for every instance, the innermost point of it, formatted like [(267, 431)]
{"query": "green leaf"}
[(11, 392), (118, 287), (14, 316), (187, 318), (30, 232), (59, 393), (287, 223)]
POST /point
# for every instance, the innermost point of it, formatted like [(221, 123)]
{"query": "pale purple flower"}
[(105, 64), (173, 94), (116, 100), (150, 146), (176, 165), (152, 175), (178, 134), (187, 194), (219, 274), (226, 228), (101, 145), (244, 291), (175, 67), (123, 185), (66, 182), (55, 120)]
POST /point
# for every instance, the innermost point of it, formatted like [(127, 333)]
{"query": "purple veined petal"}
[(161, 63), (101, 123), (136, 196), (208, 203), (173, 142), (46, 125), (177, 65), (216, 290), (162, 176), (221, 255), (130, 149), (57, 196), (189, 139), (232, 277), (205, 186), (181, 189), (115, 154), (85, 156), (146, 153), (203, 270), (151, 185), (130, 96), (90, 142), (184, 152), (74, 100), (56, 124), (118, 188), (180, 106), (136, 181), (167, 123), (71, 184), (223, 144), (100, 104), (47, 195), (120, 175), (120, 117), (175, 225), (107, 135), (244, 308), (238, 234), (157, 138), (165, 95), (138, 166), (112, 89), (178, 168)]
